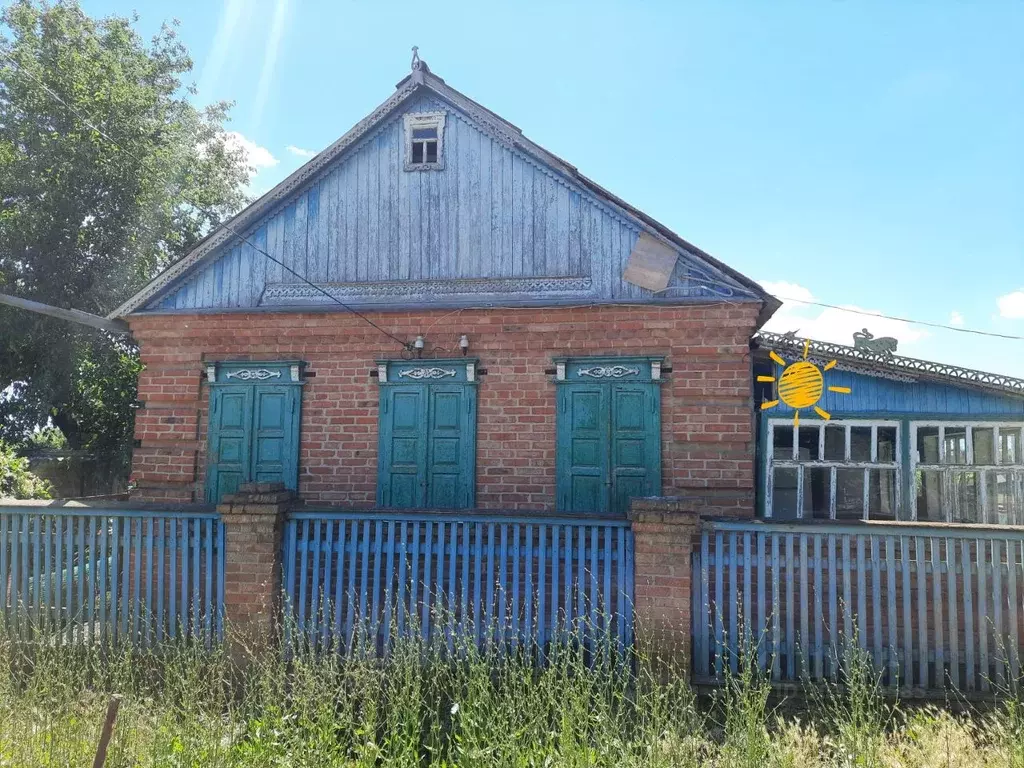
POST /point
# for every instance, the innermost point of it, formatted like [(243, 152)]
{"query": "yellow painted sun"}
[(801, 385)]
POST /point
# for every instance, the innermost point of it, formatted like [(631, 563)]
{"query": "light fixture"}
[(464, 343), (418, 345)]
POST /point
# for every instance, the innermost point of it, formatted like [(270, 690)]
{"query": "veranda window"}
[(838, 470), (968, 472)]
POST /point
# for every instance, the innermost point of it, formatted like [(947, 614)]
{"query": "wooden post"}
[(108, 730)]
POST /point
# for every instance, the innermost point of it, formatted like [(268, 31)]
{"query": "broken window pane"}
[(835, 443), (965, 498), (808, 437), (982, 440), (784, 505), (928, 445), (955, 442), (783, 448), (849, 494), (928, 486), (887, 443), (882, 494), (860, 443), (817, 481)]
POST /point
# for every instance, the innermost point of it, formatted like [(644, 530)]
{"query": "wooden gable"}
[(495, 223)]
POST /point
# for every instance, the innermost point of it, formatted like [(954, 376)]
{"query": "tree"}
[(16, 480), (107, 174)]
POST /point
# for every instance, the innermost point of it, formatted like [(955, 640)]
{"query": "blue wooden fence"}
[(933, 606), (110, 576), (482, 579)]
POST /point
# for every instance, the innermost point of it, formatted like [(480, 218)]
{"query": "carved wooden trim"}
[(281, 293), (426, 373), (609, 371), (413, 120), (254, 374)]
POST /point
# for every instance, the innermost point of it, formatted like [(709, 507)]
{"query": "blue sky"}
[(865, 154)]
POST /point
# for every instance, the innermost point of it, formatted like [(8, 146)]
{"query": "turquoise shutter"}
[(635, 443), (582, 448), (450, 446), (229, 445), (274, 433), (403, 422)]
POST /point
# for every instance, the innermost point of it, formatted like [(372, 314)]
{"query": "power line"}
[(209, 213), (720, 284)]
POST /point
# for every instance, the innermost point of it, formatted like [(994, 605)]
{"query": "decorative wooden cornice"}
[(889, 365)]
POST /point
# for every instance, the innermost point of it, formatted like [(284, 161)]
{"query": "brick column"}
[(253, 522), (664, 530)]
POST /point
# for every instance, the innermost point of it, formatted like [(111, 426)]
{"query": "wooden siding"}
[(492, 212), (875, 395)]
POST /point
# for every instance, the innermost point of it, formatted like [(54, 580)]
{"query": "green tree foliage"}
[(16, 481), (87, 216)]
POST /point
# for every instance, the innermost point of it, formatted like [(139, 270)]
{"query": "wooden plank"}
[(704, 608), (997, 613), (940, 646), (967, 565), (734, 595), (877, 648), (790, 611), (650, 264), (862, 609), (762, 615), (833, 607), (982, 555), (776, 578), (892, 642), (952, 613), (748, 645), (805, 606), (327, 610), (1013, 600), (907, 659), (719, 602), (818, 653)]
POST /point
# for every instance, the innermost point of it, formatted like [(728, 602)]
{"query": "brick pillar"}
[(253, 521), (664, 530)]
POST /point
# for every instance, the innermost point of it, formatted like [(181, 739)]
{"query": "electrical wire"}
[(405, 344), (223, 225)]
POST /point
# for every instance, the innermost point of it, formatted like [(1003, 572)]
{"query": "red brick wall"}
[(707, 404)]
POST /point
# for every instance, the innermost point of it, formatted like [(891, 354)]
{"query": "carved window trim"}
[(424, 120)]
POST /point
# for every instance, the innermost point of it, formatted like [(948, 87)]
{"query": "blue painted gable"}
[(495, 225)]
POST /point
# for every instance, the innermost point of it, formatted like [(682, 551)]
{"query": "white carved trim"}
[(414, 120), (470, 371), (253, 374), (286, 293), (294, 369), (211, 373), (560, 371), (382, 373), (655, 370), (608, 371), (426, 373)]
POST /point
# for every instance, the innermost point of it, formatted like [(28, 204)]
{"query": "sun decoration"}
[(801, 385)]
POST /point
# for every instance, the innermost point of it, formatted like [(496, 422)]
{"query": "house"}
[(435, 312), (904, 439)]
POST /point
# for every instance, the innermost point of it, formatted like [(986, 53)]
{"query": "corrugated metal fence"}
[(363, 579), (110, 576), (933, 606)]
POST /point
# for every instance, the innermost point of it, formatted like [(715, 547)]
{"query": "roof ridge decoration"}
[(885, 362), (421, 77)]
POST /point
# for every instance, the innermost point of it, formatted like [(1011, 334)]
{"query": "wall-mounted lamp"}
[(464, 343), (418, 345)]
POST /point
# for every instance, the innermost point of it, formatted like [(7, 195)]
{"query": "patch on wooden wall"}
[(650, 264)]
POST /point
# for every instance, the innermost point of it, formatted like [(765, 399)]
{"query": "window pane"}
[(882, 494), (783, 448), (424, 133), (784, 494), (955, 440), (431, 151), (982, 440), (1003, 497), (1009, 445), (849, 494), (965, 498), (417, 151), (928, 445), (860, 443), (808, 437), (816, 490), (929, 496), (887, 443), (835, 443)]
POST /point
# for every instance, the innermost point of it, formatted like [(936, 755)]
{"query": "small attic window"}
[(424, 141)]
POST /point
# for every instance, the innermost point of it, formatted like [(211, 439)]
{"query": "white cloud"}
[(300, 151), (255, 155), (1012, 305), (956, 319), (835, 325)]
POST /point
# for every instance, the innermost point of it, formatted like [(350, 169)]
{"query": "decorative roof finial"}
[(416, 63)]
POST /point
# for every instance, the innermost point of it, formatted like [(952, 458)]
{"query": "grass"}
[(184, 705)]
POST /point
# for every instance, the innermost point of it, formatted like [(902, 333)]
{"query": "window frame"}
[(424, 120), (947, 470), (794, 462)]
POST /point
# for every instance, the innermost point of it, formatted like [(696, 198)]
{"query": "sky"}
[(863, 154)]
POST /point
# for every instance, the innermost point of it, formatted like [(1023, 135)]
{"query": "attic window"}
[(424, 141)]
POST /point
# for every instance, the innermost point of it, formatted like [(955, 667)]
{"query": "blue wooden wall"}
[(875, 395), (491, 212)]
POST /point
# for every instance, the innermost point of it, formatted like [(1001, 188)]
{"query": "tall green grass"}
[(428, 704)]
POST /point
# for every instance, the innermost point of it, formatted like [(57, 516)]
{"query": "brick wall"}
[(707, 405)]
